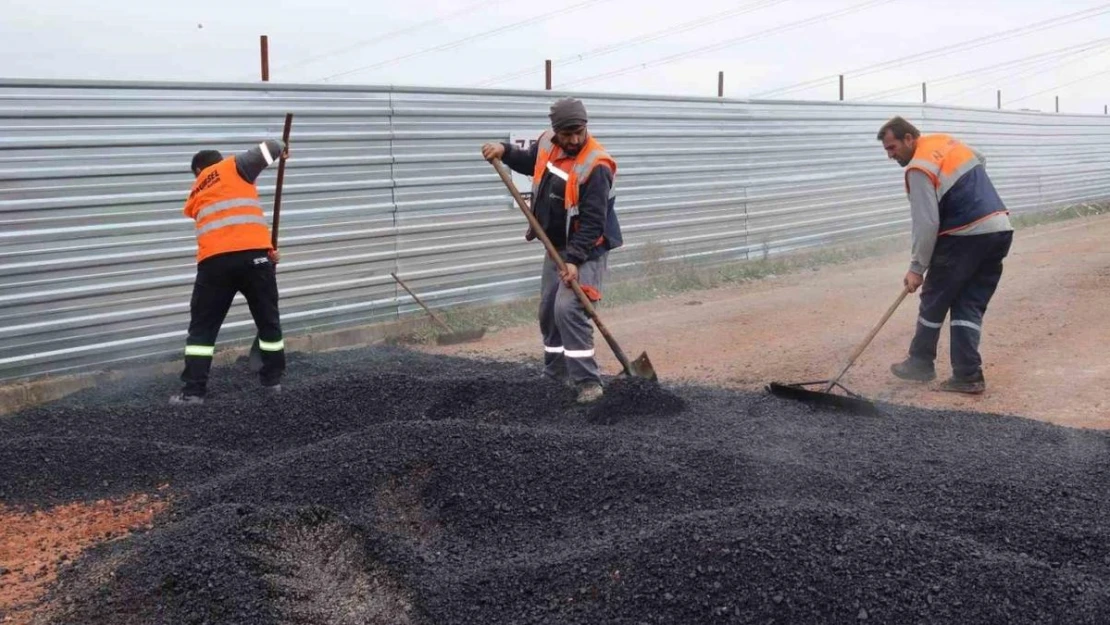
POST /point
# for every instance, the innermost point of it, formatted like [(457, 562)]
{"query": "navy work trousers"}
[(962, 277)]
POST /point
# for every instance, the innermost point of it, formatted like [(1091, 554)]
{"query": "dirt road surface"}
[(1044, 342)]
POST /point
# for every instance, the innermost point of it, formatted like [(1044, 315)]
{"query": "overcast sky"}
[(759, 44)]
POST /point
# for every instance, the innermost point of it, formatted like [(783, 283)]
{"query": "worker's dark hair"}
[(900, 128), (205, 158)]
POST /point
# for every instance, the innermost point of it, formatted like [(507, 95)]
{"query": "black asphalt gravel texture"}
[(389, 486)]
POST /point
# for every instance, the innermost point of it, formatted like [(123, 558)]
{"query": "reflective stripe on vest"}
[(544, 147), (234, 220), (949, 179), (218, 207)]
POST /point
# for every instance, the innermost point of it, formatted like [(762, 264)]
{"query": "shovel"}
[(448, 337), (256, 351), (641, 367), (849, 402)]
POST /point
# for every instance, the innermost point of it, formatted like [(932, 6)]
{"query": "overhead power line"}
[(1057, 87), (465, 40), (1052, 57), (729, 42), (386, 36), (634, 41), (1015, 76), (946, 50)]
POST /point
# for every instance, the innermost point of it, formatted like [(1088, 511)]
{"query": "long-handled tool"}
[(850, 402), (256, 350), (641, 367), (449, 336)]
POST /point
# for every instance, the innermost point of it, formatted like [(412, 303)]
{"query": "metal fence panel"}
[(96, 259)]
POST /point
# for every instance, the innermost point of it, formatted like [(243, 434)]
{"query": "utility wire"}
[(1008, 78), (464, 40), (470, 8), (1033, 60), (729, 42), (635, 41), (947, 49), (1059, 86)]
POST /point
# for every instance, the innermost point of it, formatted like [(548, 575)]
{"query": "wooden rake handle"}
[(867, 341), (435, 317)]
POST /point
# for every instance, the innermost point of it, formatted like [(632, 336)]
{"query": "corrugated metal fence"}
[(96, 259)]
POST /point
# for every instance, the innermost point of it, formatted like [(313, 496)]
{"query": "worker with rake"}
[(961, 232), (572, 198)]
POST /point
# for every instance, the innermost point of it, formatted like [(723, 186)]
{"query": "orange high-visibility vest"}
[(943, 158), (573, 172), (591, 155), (227, 212), (964, 192)]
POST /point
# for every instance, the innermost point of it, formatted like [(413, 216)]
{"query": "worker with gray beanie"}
[(573, 200)]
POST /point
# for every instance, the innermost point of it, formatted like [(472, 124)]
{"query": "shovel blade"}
[(642, 368), (462, 336)]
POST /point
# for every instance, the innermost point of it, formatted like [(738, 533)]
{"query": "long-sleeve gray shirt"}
[(253, 162), (925, 219)]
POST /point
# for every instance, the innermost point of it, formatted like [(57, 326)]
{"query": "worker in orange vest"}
[(234, 255), (573, 200), (961, 233)]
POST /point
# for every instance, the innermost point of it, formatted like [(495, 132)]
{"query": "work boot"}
[(973, 385), (589, 392), (915, 370), (181, 399)]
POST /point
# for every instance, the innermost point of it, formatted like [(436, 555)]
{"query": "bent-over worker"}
[(234, 255), (961, 232)]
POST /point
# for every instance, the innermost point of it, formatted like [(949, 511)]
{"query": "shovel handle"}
[(431, 314), (280, 180), (554, 254), (867, 341)]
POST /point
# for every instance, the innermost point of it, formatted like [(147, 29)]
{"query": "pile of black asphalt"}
[(390, 486)]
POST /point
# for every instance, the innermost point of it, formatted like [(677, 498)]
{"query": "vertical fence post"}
[(547, 74), (264, 43)]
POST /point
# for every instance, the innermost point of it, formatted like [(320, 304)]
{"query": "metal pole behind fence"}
[(264, 42)]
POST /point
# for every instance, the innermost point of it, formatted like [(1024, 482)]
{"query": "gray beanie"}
[(567, 113)]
